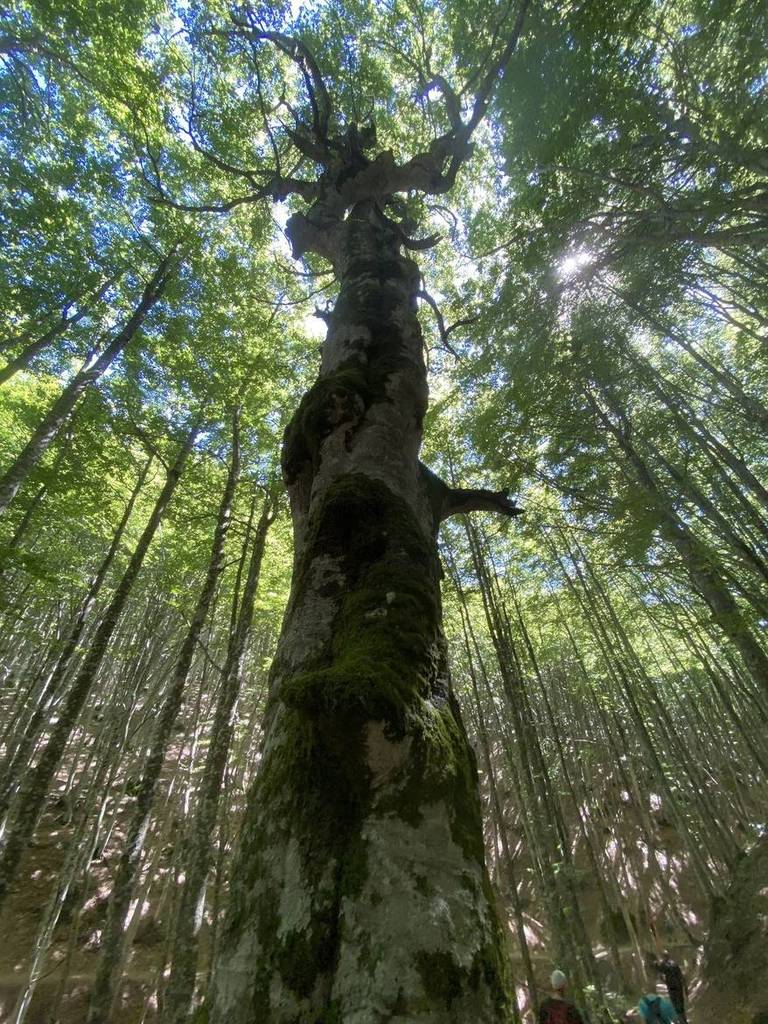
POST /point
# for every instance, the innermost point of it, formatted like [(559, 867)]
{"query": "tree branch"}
[(483, 97), (276, 187), (448, 501), (302, 56), (479, 499), (424, 294), (452, 105)]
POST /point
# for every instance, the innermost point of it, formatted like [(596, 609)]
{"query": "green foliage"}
[(603, 277)]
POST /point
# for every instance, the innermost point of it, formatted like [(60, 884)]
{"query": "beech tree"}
[(253, 823), (366, 768)]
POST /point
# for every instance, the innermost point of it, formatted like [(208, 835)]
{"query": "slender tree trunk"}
[(17, 759), (753, 408), (64, 319), (721, 526), (697, 561), (51, 424), (24, 523), (663, 726), (575, 799), (22, 527), (691, 425), (615, 755), (24, 358), (753, 740), (35, 788), (719, 307), (338, 904), (539, 791), (624, 683), (509, 862), (107, 974), (196, 857), (77, 855)]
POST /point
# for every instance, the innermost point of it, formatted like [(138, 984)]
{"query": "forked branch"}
[(348, 175)]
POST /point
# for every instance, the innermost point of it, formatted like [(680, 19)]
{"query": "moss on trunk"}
[(359, 890)]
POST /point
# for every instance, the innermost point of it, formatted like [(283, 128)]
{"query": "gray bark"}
[(359, 889)]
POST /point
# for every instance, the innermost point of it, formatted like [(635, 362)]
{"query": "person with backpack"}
[(655, 1009), (556, 1009)]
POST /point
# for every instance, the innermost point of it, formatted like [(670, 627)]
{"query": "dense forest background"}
[(594, 310)]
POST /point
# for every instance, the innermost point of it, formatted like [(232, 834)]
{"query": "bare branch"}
[(348, 176), (448, 501), (483, 96), (447, 215), (302, 56), (424, 294), (265, 118), (464, 322), (479, 499)]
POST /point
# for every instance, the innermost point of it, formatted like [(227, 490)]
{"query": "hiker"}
[(677, 986), (556, 1009), (655, 1009)]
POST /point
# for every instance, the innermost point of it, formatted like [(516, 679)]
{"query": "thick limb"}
[(448, 501)]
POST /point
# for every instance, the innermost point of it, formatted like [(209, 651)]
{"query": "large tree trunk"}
[(359, 890)]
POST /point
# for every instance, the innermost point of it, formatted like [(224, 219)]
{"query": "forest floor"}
[(736, 960)]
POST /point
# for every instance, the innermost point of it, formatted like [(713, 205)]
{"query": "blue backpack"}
[(657, 1017), (655, 1012)]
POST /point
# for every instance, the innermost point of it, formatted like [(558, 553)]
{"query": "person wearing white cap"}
[(556, 1009)]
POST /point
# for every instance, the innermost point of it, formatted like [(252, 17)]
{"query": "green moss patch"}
[(302, 955), (381, 657), (443, 979)]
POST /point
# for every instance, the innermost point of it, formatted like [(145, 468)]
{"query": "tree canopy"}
[(582, 190)]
